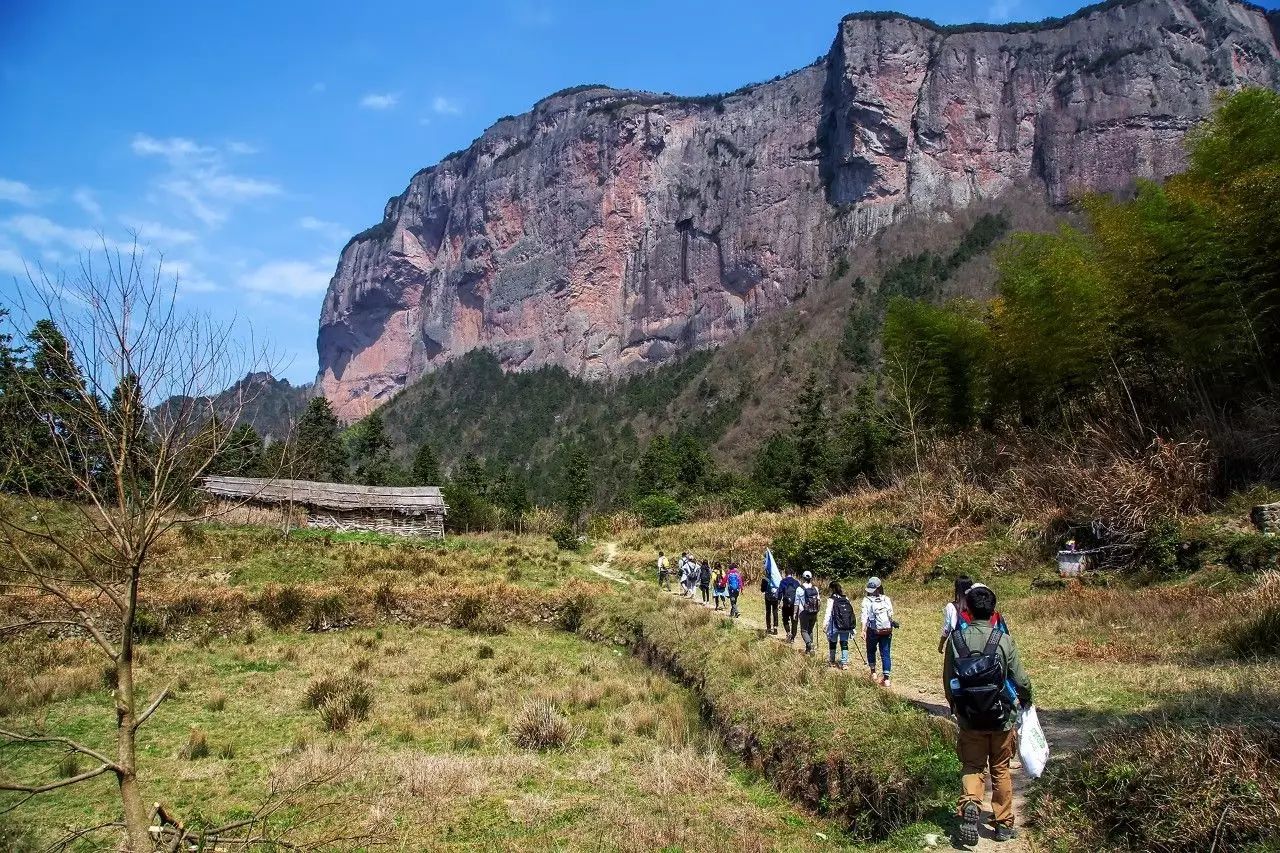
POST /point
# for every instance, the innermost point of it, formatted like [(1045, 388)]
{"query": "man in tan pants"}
[(981, 661)]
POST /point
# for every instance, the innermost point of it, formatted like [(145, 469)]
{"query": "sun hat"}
[(874, 584)]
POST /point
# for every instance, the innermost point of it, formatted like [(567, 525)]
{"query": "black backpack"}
[(842, 614), (812, 599), (978, 688)]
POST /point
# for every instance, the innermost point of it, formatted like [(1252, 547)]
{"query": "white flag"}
[(771, 569)]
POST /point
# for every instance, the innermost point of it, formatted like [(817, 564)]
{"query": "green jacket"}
[(976, 636)]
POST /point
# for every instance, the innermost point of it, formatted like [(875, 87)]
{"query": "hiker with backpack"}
[(664, 573), (951, 613), (980, 666), (878, 624), (719, 585), (787, 597), (704, 581), (838, 624), (770, 593), (808, 602), (734, 582)]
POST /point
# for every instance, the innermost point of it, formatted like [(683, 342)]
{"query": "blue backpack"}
[(735, 581)]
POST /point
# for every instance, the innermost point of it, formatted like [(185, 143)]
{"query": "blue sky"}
[(247, 141)]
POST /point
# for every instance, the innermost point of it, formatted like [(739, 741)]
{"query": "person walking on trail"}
[(963, 617), (734, 582), (787, 598), (683, 566), (770, 593), (664, 572), (878, 623), (837, 624), (980, 666), (951, 613), (704, 581), (719, 585), (808, 602)]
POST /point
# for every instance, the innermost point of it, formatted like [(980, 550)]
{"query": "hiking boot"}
[(1005, 833), (967, 832), (884, 682)]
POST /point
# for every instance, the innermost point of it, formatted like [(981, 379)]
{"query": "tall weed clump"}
[(1255, 632), (1165, 787), (339, 701)]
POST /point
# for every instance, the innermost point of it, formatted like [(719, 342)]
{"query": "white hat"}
[(808, 575)]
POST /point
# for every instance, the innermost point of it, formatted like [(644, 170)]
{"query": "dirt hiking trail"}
[(1063, 737)]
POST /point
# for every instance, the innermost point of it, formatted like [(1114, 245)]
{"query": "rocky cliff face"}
[(608, 230)]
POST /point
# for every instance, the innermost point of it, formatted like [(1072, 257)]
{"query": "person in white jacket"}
[(837, 624), (878, 625), (808, 603), (951, 613)]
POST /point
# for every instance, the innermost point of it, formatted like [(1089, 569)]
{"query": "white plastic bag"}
[(1033, 749)]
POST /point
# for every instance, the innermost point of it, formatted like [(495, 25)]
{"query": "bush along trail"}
[(841, 746), (860, 708)]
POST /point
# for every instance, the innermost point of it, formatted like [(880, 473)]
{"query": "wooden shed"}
[(401, 510)]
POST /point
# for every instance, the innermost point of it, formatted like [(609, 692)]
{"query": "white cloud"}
[(242, 148), (175, 148), (83, 196), (445, 106), (11, 262), (189, 279), (198, 177), (288, 278), (16, 192), (155, 232), (48, 234), (330, 231), (380, 101)]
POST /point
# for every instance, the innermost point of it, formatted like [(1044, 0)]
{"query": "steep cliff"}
[(608, 230)]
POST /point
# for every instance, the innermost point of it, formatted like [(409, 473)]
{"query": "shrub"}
[(216, 703), (282, 607), (197, 745), (836, 549), (566, 538), (659, 510), (540, 725), (485, 652), (1165, 787)]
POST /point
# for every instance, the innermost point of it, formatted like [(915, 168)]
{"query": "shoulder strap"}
[(993, 642), (961, 645)]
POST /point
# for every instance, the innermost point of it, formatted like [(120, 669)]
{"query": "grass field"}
[(494, 692)]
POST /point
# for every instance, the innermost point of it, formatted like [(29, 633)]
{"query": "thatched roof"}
[(410, 500)]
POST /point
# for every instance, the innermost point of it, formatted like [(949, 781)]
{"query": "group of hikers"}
[(715, 583), (983, 678)]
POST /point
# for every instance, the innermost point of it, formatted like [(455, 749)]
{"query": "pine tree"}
[(243, 454), (809, 436), (55, 388), (318, 451), (575, 484), (426, 467), (371, 453)]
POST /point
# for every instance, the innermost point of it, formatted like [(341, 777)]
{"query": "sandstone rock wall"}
[(608, 230)]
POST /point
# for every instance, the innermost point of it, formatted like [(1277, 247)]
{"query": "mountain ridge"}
[(609, 230)]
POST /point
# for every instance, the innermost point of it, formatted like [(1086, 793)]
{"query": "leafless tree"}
[(130, 438), (905, 393)]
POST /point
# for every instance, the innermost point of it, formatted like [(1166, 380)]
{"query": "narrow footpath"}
[(1062, 738)]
